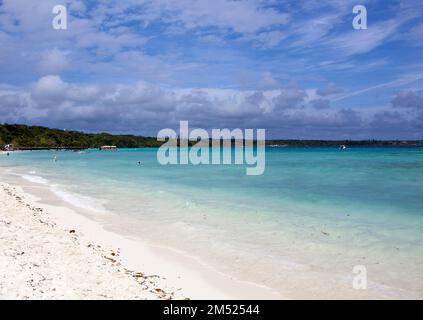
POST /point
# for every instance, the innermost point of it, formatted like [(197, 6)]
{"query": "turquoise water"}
[(322, 208)]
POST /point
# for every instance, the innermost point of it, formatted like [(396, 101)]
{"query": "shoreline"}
[(155, 272)]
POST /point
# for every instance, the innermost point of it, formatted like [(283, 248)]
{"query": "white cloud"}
[(145, 109), (239, 16), (53, 62), (409, 100), (49, 87), (362, 41)]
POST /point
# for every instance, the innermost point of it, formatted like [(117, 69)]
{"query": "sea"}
[(307, 227)]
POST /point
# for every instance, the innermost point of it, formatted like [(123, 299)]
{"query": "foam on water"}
[(35, 179), (80, 201), (77, 200)]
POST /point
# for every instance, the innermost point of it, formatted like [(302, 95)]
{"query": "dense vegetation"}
[(22, 136)]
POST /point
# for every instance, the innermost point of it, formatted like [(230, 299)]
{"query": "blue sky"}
[(297, 68)]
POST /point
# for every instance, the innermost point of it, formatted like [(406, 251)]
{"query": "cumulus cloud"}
[(289, 98), (49, 87), (53, 62), (142, 108), (408, 99)]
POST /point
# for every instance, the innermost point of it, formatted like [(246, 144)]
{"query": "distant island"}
[(32, 137)]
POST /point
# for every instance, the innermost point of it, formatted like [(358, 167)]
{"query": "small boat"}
[(342, 147), (277, 145), (108, 148)]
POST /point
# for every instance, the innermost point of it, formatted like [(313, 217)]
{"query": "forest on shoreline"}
[(23, 136)]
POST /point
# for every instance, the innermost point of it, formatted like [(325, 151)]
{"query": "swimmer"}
[(55, 159)]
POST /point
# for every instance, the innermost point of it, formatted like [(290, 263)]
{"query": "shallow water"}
[(304, 223)]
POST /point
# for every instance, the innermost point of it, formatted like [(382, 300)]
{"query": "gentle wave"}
[(35, 179), (79, 201)]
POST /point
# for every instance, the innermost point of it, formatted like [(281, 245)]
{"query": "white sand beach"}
[(52, 252)]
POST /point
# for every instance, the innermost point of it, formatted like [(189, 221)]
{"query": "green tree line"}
[(23, 136)]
